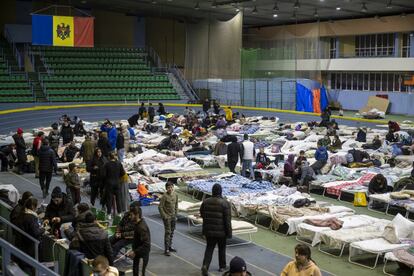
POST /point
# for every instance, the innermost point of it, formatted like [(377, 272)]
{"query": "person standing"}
[(168, 210), (37, 142), (161, 109), (141, 111), (47, 164), (72, 181), (233, 153), (54, 137), (141, 245), (248, 156), (87, 149), (120, 150), (216, 214), (113, 171), (103, 144), (126, 134), (151, 113), (96, 169), (206, 106), (20, 150), (66, 132)]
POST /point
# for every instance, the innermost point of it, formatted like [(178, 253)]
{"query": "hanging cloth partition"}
[(304, 98), (316, 100)]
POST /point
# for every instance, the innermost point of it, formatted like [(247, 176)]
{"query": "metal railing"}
[(7, 250), (16, 52), (188, 89), (20, 231)]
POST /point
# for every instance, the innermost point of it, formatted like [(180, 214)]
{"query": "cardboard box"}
[(376, 102)]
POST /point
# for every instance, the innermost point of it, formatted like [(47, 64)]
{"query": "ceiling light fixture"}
[(237, 9), (154, 2), (197, 6), (389, 4), (338, 8), (254, 11), (275, 7), (214, 4), (296, 5), (274, 15), (364, 7)]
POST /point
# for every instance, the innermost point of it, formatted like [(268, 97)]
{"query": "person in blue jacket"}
[(112, 133), (321, 156)]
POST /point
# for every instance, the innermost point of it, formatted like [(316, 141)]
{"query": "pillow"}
[(403, 226), (390, 234)]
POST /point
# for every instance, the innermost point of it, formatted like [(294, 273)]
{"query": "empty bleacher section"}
[(101, 74), (13, 88)]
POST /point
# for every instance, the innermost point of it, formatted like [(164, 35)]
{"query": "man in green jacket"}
[(88, 149), (168, 210)]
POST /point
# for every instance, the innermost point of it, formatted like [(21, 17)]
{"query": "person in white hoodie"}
[(248, 156)]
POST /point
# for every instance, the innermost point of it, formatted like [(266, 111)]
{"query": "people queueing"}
[(216, 214), (168, 209)]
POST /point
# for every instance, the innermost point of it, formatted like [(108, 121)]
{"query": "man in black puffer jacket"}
[(91, 239), (47, 164), (216, 214)]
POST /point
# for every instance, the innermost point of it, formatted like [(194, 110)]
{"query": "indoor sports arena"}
[(228, 137)]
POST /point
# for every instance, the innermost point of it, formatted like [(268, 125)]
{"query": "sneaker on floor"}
[(172, 249), (167, 253), (222, 269)]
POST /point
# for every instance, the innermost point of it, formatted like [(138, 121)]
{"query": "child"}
[(73, 184)]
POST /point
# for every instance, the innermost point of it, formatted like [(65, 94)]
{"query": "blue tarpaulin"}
[(304, 98), (324, 98)]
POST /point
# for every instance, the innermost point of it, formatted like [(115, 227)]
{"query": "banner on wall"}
[(66, 31)]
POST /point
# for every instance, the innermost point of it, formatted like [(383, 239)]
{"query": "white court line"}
[(178, 257), (176, 231), (27, 180)]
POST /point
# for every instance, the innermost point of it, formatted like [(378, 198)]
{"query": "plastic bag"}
[(360, 199)]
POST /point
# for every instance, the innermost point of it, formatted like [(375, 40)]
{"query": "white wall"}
[(340, 64)]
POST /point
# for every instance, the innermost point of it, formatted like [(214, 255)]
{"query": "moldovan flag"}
[(62, 31)]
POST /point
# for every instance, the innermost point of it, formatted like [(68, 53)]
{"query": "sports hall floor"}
[(269, 251)]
